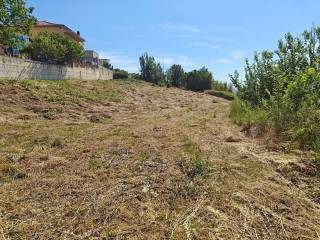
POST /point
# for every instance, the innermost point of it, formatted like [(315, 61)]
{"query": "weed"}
[(57, 143), (95, 165), (244, 114), (41, 141), (10, 172), (51, 113), (199, 167)]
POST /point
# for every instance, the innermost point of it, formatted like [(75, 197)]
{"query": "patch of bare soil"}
[(127, 160)]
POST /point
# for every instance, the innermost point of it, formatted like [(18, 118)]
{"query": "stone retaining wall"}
[(21, 69)]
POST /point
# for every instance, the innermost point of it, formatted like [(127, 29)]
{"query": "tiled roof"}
[(45, 23), (49, 24)]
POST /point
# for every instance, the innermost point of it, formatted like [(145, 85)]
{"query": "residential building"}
[(90, 57), (103, 61), (57, 28)]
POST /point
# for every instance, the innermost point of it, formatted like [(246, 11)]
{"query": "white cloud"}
[(122, 61), (131, 64), (180, 28), (228, 28), (184, 61), (224, 61), (232, 58), (165, 60), (184, 36), (206, 45), (238, 55), (217, 39)]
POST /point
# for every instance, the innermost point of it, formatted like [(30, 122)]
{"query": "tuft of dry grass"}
[(10, 172)]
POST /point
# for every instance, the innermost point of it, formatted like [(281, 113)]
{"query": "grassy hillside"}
[(128, 160)]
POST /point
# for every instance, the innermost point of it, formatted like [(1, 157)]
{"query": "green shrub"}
[(135, 76), (221, 94), (198, 167), (222, 86), (54, 48), (242, 113), (120, 74), (282, 88), (306, 130)]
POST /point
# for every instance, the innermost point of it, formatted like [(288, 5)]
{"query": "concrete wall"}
[(21, 69)]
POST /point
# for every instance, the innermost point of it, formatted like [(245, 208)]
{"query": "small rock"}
[(145, 189)]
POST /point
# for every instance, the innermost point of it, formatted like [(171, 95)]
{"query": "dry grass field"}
[(128, 160)]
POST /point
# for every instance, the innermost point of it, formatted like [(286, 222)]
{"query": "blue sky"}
[(193, 33)]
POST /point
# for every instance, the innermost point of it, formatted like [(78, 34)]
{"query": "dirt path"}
[(157, 164)]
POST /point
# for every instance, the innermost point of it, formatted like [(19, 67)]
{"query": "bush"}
[(135, 76), (222, 86), (244, 114), (198, 80), (120, 74), (284, 85), (54, 48), (306, 130), (221, 94)]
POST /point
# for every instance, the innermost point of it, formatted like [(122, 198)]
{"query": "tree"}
[(281, 89), (120, 74), (15, 18), (108, 65), (151, 71), (54, 48), (175, 75), (199, 80)]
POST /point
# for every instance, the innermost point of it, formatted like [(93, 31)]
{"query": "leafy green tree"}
[(54, 48), (107, 65), (175, 75), (284, 87), (120, 74), (151, 71), (199, 80), (15, 18)]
